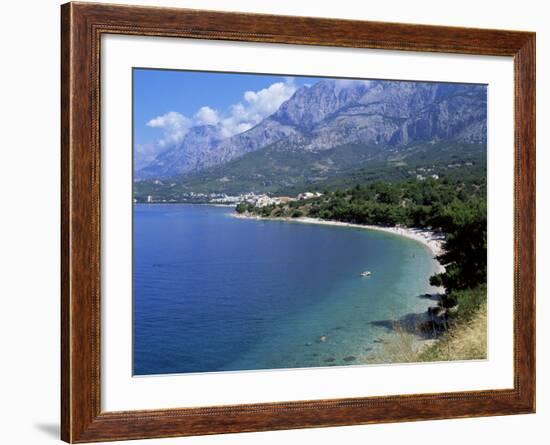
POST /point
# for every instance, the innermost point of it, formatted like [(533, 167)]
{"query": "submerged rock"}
[(350, 358)]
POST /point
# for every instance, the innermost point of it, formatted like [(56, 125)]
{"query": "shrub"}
[(241, 207)]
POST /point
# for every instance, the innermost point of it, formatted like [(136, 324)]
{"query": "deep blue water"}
[(217, 293)]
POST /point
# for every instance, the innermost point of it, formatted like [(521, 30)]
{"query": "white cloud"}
[(256, 106), (241, 116), (174, 125), (266, 101), (206, 116)]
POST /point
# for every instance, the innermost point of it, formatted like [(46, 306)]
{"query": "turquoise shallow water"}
[(217, 293)]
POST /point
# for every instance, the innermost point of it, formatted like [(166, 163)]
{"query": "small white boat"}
[(366, 273)]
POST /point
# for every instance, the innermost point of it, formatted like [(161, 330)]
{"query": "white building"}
[(264, 200), (308, 195)]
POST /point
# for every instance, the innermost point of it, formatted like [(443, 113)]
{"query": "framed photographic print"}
[(274, 222)]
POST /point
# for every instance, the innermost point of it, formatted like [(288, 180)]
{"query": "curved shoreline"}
[(432, 240)]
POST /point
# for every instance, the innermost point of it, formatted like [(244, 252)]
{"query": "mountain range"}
[(375, 118)]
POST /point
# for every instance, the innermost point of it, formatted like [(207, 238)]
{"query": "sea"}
[(216, 293)]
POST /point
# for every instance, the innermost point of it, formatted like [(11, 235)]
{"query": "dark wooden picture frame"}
[(82, 26)]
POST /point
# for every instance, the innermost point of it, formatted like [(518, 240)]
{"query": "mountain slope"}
[(377, 115), (275, 171), (191, 155)]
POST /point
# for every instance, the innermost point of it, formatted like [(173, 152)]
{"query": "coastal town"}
[(257, 200)]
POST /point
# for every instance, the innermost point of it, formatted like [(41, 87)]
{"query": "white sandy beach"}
[(432, 240)]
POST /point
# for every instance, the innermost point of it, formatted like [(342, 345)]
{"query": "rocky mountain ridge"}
[(333, 113)]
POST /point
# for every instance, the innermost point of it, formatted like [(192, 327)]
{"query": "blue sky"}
[(167, 103)]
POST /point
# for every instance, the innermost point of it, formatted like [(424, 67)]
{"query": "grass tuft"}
[(465, 338)]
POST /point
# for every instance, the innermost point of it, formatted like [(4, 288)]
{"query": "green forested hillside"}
[(290, 172)]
